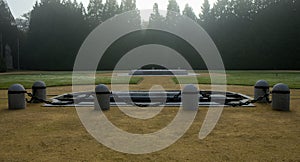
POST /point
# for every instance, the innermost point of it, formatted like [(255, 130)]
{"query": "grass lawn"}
[(249, 78), (58, 79), (242, 134)]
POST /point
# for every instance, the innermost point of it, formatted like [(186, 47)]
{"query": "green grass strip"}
[(53, 79), (249, 78)]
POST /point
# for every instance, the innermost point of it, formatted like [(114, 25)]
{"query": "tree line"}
[(8, 33), (258, 34), (250, 34)]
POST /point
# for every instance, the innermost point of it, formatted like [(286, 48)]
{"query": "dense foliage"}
[(260, 34), (56, 31), (8, 34), (250, 34)]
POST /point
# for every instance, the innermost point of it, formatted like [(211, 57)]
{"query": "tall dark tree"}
[(156, 19), (189, 12), (173, 6), (134, 14), (205, 15), (127, 5), (8, 33), (172, 12), (227, 28), (95, 13), (258, 34), (223, 10), (276, 36), (111, 8), (56, 31), (23, 22), (244, 9)]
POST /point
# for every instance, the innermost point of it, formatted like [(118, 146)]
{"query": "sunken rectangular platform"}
[(142, 99)]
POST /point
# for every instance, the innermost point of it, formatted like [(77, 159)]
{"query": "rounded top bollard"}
[(16, 97), (281, 88), (190, 98), (16, 89), (39, 84), (102, 89), (261, 84), (190, 89)]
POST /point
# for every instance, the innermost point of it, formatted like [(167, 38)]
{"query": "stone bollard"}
[(16, 97), (261, 88), (102, 99), (218, 98), (190, 98), (39, 91), (281, 97)]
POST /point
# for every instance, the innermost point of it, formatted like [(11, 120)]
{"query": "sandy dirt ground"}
[(242, 134)]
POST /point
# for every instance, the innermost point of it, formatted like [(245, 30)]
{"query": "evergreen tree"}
[(172, 12), (259, 5), (56, 31), (244, 9), (205, 15), (156, 19), (95, 13), (23, 22), (127, 5), (276, 27), (8, 33), (223, 10), (172, 8), (111, 8), (188, 11)]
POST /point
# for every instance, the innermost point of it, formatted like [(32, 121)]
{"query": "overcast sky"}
[(19, 7)]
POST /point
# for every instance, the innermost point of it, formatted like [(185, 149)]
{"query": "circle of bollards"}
[(190, 98), (16, 97), (39, 91), (102, 99), (261, 88), (281, 97)]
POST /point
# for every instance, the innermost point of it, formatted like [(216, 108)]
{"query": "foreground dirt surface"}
[(242, 134)]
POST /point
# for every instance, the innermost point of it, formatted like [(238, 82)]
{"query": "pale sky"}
[(19, 7)]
